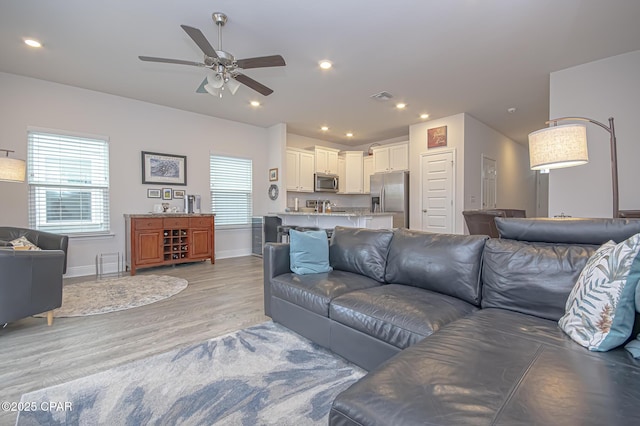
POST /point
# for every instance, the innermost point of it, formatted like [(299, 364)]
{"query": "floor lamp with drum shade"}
[(566, 146)]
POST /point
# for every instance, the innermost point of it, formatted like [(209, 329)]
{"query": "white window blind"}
[(231, 190), (68, 180)]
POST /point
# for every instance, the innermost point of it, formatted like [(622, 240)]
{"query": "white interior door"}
[(437, 191), (489, 183)]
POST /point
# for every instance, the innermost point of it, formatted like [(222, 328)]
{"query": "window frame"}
[(68, 163), (245, 192)]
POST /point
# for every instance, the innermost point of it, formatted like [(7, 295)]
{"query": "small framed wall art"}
[(153, 193), (178, 194), (437, 137), (273, 175), (166, 194), (164, 168)]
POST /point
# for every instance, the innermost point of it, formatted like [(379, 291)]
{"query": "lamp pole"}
[(614, 154)]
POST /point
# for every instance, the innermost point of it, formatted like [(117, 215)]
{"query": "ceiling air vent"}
[(382, 96)]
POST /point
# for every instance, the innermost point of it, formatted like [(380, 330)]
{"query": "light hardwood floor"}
[(220, 298)]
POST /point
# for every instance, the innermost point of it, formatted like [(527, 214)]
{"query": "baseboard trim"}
[(82, 271)]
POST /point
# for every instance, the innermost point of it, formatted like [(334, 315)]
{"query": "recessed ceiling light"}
[(349, 135), (424, 116), (401, 105), (255, 103), (325, 65), (324, 128), (32, 42), (511, 110)]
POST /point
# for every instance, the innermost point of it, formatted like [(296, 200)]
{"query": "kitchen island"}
[(330, 220)]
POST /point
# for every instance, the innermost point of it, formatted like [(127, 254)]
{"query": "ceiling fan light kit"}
[(224, 65)]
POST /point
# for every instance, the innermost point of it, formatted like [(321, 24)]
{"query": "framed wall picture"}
[(178, 193), (273, 175), (153, 193), (166, 194), (164, 168), (437, 137)]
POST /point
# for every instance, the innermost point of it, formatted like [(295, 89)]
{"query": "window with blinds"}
[(231, 185), (68, 179)]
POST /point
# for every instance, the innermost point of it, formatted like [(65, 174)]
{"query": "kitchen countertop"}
[(345, 214)]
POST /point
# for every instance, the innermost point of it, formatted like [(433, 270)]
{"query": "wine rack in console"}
[(176, 244), (156, 240)]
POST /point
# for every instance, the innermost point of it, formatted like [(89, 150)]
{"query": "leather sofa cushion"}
[(397, 314), (447, 264), (567, 230), (362, 251), (531, 278), (315, 291), (500, 368)]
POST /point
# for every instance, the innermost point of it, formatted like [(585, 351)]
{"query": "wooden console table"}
[(168, 239)]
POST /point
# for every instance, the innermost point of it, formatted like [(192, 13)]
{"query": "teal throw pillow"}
[(600, 310), (309, 252), (634, 346)]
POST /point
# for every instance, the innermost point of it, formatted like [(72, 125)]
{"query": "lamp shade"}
[(233, 85), (216, 80), (558, 146), (12, 170), (211, 90)]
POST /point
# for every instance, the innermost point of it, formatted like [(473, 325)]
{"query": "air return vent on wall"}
[(382, 96)]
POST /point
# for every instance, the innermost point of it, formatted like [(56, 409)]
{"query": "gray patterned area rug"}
[(116, 294), (262, 375)]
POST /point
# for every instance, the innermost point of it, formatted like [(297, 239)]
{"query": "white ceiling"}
[(441, 57)]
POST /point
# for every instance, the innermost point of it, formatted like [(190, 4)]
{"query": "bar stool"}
[(306, 228), (283, 233)]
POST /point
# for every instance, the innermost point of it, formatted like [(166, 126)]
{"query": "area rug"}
[(262, 375), (116, 294)]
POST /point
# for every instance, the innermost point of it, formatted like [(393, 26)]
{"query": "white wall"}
[(472, 138), (516, 183), (132, 126), (417, 146), (277, 159), (598, 90)]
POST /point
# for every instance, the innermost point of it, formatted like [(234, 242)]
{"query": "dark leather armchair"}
[(31, 280), (482, 222), (44, 240)]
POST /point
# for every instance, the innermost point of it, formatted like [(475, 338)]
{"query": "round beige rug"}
[(116, 294)]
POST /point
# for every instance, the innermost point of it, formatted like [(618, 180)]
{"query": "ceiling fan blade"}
[(170, 61), (261, 62), (202, 42), (251, 83), (201, 88)]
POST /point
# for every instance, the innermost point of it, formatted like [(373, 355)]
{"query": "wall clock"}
[(273, 191)]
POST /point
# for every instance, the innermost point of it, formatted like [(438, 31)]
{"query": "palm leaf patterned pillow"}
[(600, 310)]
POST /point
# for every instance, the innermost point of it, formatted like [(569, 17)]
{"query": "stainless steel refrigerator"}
[(390, 194)]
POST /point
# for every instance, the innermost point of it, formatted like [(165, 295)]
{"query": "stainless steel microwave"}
[(325, 183)]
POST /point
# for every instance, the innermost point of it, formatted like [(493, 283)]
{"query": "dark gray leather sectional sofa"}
[(458, 330)]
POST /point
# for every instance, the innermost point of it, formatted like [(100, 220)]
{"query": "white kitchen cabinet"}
[(326, 160), (391, 158), (352, 182), (342, 175), (367, 171), (300, 166)]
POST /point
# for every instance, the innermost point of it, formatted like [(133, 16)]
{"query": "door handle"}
[(424, 210)]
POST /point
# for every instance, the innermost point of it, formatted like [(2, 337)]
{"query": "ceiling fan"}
[(223, 64)]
